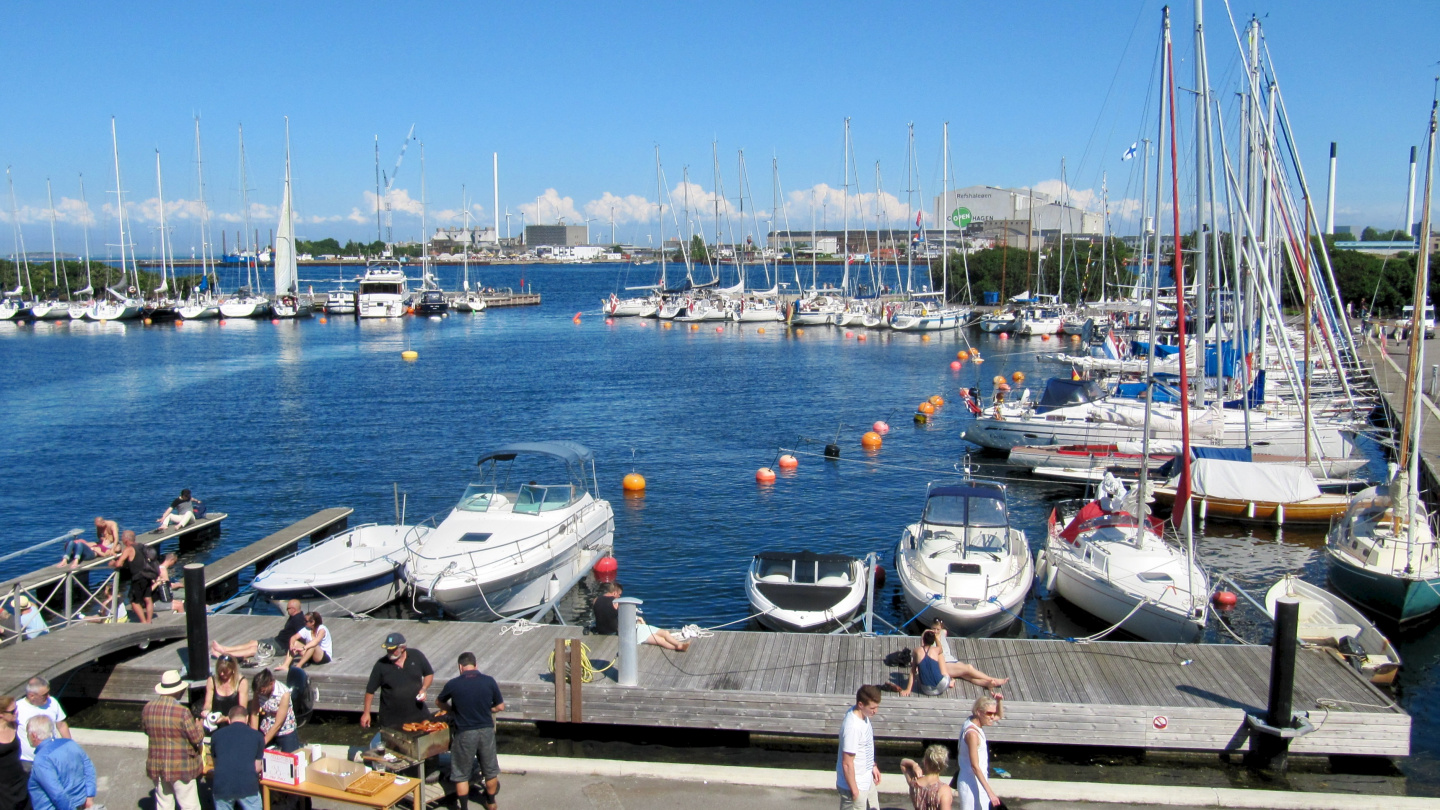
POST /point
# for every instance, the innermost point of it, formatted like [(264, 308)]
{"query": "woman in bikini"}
[(930, 667)]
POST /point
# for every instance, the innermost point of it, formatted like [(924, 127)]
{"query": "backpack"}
[(900, 659), (147, 561)]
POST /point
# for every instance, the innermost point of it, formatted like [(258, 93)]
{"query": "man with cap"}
[(401, 678), (173, 761)]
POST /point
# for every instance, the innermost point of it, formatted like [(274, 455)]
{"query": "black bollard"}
[(1270, 750), (197, 628)]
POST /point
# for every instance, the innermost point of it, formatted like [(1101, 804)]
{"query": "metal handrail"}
[(549, 533)]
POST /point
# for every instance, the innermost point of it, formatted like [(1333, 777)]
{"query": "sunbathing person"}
[(294, 623), (107, 540), (934, 670)]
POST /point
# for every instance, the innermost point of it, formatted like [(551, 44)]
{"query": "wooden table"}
[(383, 800)]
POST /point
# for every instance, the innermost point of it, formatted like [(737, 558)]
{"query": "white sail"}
[(287, 276)]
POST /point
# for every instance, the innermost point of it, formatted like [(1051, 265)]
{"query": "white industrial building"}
[(987, 203)]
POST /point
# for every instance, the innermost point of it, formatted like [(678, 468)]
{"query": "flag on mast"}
[(1130, 153)]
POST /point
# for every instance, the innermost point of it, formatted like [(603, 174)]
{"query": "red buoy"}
[(1225, 599), (605, 569), (879, 577)]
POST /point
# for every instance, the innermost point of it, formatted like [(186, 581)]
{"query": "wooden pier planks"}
[(1103, 693)]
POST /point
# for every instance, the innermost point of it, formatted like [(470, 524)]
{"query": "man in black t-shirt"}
[(237, 751), (472, 698), (294, 623), (607, 616), (400, 678)]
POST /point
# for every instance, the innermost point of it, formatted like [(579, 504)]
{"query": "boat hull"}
[(357, 597), (1401, 600), (1314, 512), (1097, 598), (509, 594)]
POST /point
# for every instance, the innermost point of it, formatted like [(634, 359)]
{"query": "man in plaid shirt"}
[(175, 736)]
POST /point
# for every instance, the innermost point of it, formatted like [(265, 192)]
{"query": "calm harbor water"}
[(270, 422)]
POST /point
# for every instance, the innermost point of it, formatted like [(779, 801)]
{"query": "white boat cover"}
[(1160, 447), (1248, 481)]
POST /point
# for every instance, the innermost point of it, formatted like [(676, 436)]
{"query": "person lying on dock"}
[(644, 633), (107, 541), (932, 668), (181, 511), (294, 623)]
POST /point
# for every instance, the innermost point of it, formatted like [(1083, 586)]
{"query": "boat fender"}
[(832, 451), (879, 576), (1051, 572)]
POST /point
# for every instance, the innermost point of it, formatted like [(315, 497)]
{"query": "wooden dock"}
[(222, 576), (1161, 696)]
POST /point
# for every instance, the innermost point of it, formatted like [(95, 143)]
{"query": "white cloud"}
[(551, 207), (631, 208), (830, 206)]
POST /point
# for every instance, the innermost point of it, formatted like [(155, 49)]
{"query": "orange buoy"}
[(178, 323), (1044, 337), (881, 427), (849, 334), (999, 379), (871, 440), (860, 337), (924, 338), (694, 327), (222, 321), (974, 352), (937, 401), (765, 475), (788, 462), (954, 365), (633, 482), (666, 324), (961, 355), (761, 330), (324, 320), (926, 408), (1004, 335), (1225, 599), (410, 310), (799, 331), (606, 568)]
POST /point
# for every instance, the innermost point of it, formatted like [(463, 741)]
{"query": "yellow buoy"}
[(410, 355), (762, 330), (1018, 376), (634, 482)]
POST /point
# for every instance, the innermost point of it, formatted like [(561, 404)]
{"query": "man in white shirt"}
[(857, 777), (37, 701)]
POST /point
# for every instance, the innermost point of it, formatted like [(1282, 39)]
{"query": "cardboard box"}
[(286, 768), (337, 774)]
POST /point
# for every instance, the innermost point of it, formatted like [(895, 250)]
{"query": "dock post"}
[(1269, 748), (870, 565), (197, 628), (560, 660), (577, 679), (1434, 381), (629, 674)]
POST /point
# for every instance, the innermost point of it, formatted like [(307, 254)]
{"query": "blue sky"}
[(575, 98)]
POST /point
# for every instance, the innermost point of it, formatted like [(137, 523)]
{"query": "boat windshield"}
[(534, 498), (962, 510), (478, 498)]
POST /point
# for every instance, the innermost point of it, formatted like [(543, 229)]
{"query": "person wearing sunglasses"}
[(14, 793), (972, 782)]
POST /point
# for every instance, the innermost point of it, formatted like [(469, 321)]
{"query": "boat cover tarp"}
[(1167, 470), (1140, 348), (1061, 392), (1256, 395), (1247, 481), (568, 452), (1222, 361), (1136, 390)]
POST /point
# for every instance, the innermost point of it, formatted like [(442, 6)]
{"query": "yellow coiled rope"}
[(587, 669)]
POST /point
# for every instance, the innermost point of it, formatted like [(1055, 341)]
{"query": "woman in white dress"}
[(972, 782)]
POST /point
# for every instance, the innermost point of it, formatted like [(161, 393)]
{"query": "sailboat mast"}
[(845, 207), (54, 248), (1202, 147), (252, 272), (1417, 333), (495, 171), (85, 226), (1064, 212), (465, 204), (119, 195), (944, 220), (1104, 228), (424, 227), (660, 215), (204, 211), (164, 253)]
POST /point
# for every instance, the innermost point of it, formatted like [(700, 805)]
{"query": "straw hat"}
[(22, 603), (170, 683)]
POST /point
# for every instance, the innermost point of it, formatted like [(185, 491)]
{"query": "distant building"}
[(561, 235), (890, 241), (1382, 248), (575, 253), (454, 240), (986, 203)]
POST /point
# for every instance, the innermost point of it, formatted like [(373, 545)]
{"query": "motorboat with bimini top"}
[(353, 572), (804, 591), (1106, 563), (1330, 622), (963, 562), (518, 538)]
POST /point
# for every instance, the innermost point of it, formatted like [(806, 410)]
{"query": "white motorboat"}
[(471, 301), (383, 291), (291, 306), (1106, 564), (507, 547), (1002, 321), (1328, 621), (963, 562), (804, 591), (340, 302), (1038, 321), (353, 572)]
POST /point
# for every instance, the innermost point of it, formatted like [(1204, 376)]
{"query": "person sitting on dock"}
[(644, 633), (607, 616), (181, 511), (312, 645), (77, 550), (164, 589), (144, 568), (294, 623), (933, 667), (32, 624)]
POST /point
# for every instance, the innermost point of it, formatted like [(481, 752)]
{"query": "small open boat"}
[(797, 592), (1328, 621)]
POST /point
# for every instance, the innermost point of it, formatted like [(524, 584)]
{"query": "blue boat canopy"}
[(1167, 471), (1062, 391), (568, 452)]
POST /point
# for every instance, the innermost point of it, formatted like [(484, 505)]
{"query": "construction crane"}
[(390, 182)]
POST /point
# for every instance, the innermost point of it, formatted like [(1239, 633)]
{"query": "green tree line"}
[(71, 276)]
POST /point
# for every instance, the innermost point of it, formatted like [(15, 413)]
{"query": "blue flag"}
[(204, 284), (1130, 153)]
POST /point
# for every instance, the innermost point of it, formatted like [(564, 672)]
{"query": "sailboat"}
[(53, 309), (287, 303), (245, 303), (201, 303), (1383, 554), (469, 300), (127, 305), (1111, 559), (918, 315), (87, 294)]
